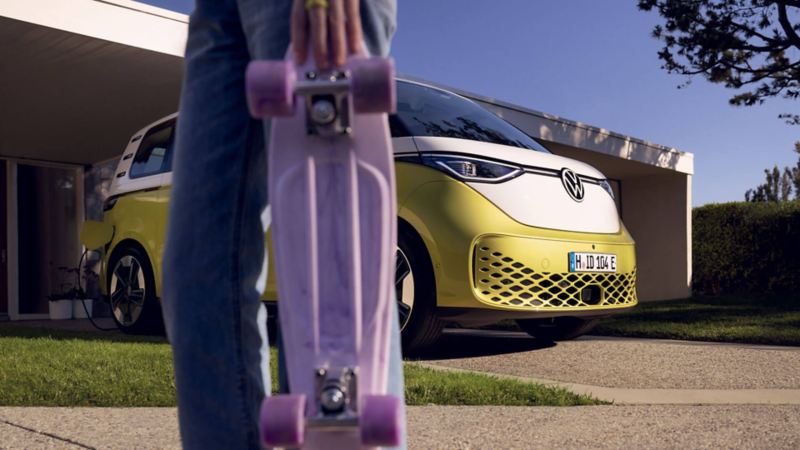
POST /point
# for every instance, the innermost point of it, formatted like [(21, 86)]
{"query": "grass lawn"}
[(747, 319), (41, 367)]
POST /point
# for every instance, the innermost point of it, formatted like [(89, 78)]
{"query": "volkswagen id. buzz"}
[(491, 226)]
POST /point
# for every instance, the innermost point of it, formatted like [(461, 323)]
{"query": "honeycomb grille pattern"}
[(501, 280)]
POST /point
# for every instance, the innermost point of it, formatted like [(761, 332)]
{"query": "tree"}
[(747, 45), (751, 46), (786, 184), (778, 186), (796, 171)]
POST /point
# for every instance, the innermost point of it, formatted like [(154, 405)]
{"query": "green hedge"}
[(746, 247)]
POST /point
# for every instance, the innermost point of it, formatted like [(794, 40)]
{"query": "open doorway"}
[(48, 214)]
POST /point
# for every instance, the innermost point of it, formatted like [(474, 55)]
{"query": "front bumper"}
[(531, 274), (487, 265)]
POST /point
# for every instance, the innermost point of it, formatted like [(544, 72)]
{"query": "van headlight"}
[(472, 169), (605, 185)]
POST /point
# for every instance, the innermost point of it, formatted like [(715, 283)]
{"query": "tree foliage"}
[(778, 186), (752, 46)]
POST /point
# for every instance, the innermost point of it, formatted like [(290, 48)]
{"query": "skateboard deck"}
[(332, 194)]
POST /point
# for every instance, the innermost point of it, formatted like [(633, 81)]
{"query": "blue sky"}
[(594, 62)]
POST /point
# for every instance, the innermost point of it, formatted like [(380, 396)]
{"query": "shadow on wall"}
[(97, 183), (600, 140)]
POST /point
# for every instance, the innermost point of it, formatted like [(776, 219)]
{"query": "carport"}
[(79, 77)]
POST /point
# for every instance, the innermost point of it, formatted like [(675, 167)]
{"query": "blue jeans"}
[(215, 266)]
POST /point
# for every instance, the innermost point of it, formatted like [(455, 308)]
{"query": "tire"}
[(272, 324), (135, 310), (415, 287), (558, 328)]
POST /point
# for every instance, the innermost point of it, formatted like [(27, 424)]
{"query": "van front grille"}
[(502, 280)]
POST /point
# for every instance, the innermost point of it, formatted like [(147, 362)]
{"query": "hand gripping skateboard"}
[(332, 193)]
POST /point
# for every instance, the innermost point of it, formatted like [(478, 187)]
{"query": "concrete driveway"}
[(631, 371), (453, 427)]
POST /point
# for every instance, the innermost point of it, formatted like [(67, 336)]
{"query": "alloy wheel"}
[(404, 287), (127, 290)]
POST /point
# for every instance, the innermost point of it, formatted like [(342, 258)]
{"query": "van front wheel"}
[(131, 288), (415, 288)]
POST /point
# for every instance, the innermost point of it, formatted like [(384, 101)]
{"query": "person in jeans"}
[(215, 266)]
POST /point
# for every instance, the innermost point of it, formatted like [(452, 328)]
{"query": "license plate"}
[(592, 262)]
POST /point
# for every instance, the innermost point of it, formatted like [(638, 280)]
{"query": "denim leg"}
[(213, 268), (396, 385), (378, 21)]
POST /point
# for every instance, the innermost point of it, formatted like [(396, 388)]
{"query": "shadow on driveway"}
[(464, 343), (455, 343), (72, 329)]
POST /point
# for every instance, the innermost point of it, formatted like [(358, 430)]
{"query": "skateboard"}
[(332, 194)]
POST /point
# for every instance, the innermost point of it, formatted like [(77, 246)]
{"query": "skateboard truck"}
[(328, 108), (336, 393)]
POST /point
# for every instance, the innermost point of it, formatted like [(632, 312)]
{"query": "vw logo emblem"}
[(573, 184)]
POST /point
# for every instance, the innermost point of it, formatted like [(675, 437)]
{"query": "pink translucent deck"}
[(333, 208)]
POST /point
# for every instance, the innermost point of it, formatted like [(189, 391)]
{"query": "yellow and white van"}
[(491, 226)]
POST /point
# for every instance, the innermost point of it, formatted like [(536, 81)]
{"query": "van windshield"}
[(425, 111)]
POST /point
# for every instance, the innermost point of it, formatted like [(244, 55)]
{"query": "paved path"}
[(634, 396), (623, 363), (449, 427), (630, 371), (606, 427)]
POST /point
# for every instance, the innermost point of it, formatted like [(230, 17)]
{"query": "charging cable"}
[(82, 295)]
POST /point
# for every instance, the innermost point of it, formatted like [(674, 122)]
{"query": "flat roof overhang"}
[(78, 78)]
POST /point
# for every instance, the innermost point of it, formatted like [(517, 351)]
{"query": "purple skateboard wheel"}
[(283, 420), (381, 421), (270, 88), (373, 85)]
